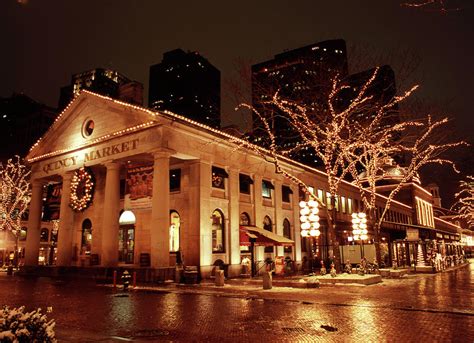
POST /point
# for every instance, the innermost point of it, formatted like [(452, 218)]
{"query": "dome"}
[(391, 172)]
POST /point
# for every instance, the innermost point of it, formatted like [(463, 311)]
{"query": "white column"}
[(34, 225), (160, 212), (234, 217), (65, 233), (296, 221), (205, 212), (258, 212), (278, 214), (110, 222)]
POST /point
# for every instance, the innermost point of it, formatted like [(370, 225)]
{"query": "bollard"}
[(115, 278), (267, 280), (134, 279), (219, 278)]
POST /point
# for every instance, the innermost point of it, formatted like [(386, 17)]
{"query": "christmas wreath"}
[(82, 189)]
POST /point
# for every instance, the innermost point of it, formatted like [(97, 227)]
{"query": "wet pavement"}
[(422, 308)]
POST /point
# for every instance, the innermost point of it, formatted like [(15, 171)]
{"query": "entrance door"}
[(126, 243)]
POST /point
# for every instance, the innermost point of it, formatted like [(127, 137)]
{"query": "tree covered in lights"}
[(15, 193), (351, 132), (414, 142), (442, 6), (465, 201)]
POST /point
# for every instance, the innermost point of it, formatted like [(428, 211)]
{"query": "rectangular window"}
[(349, 205), (267, 187), (285, 193), (301, 194), (343, 204), (320, 196), (328, 201), (336, 203), (218, 177), (244, 183), (175, 180)]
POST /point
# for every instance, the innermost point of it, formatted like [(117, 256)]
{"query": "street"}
[(421, 308)]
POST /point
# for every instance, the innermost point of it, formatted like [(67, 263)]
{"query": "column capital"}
[(67, 176), (36, 183), (162, 153), (112, 165)]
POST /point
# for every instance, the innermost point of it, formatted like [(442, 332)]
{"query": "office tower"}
[(187, 84)]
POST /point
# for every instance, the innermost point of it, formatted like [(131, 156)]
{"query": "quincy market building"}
[(137, 186)]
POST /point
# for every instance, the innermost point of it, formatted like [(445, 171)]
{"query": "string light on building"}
[(359, 226), (309, 218)]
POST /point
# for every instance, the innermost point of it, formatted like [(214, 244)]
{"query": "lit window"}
[(175, 224), (343, 204), (267, 187), (217, 232)]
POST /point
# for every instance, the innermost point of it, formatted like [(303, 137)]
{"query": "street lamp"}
[(309, 221), (359, 228)]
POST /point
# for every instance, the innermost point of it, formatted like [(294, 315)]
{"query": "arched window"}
[(267, 225), (44, 235), (23, 233), (244, 218), (218, 239), (287, 233), (86, 240), (175, 223)]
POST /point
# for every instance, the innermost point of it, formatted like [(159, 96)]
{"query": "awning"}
[(262, 237)]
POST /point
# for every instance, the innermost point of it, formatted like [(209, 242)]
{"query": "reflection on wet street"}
[(428, 308)]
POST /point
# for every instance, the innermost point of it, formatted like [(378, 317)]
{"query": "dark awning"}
[(262, 237), (245, 179), (219, 172), (286, 189), (268, 184)]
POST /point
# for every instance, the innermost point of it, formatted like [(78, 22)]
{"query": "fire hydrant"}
[(126, 280)]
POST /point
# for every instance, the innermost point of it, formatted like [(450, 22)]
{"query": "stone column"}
[(110, 221), (234, 220), (278, 214), (296, 223), (34, 225), (160, 212), (65, 232), (258, 212), (205, 213)]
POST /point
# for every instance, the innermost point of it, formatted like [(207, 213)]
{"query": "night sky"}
[(44, 41)]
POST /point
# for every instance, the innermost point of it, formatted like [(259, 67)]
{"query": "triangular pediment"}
[(88, 119)]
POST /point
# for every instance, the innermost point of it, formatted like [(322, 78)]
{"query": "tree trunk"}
[(333, 251), (378, 253)]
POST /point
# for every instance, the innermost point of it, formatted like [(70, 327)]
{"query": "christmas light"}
[(82, 189), (15, 194)]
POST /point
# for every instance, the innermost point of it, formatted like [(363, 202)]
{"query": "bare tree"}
[(415, 142), (442, 6), (465, 201), (15, 192), (351, 129)]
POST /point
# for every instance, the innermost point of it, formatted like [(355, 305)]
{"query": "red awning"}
[(262, 237)]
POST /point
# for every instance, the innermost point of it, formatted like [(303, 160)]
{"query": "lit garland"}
[(82, 189), (15, 194)]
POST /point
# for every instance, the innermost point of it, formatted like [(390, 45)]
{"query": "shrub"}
[(18, 326)]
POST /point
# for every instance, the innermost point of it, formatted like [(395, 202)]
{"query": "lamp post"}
[(309, 221), (359, 229)]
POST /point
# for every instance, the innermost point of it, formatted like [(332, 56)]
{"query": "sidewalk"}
[(293, 289)]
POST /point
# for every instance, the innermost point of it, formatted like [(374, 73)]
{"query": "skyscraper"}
[(102, 81), (187, 84), (302, 75), (22, 122)]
